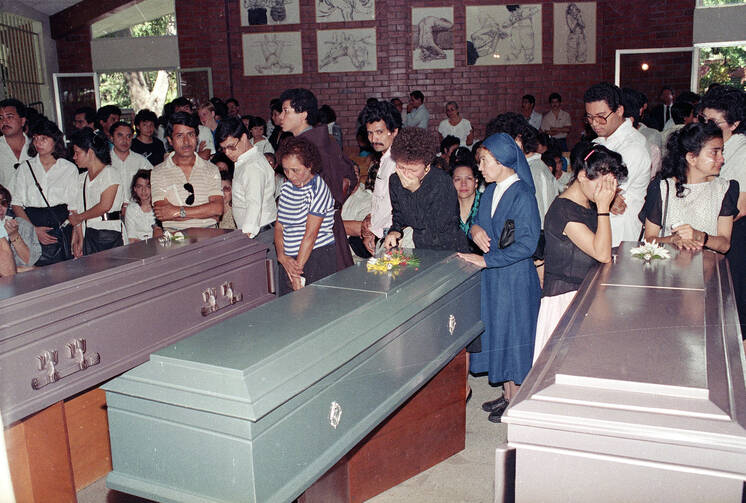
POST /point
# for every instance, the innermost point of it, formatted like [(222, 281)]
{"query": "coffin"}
[(639, 394), (258, 407), (68, 327)]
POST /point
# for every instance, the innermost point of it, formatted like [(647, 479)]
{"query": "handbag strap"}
[(665, 210)]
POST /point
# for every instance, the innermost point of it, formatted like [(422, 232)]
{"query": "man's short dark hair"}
[(632, 101), (688, 97), (105, 112), (515, 125), (302, 100), (275, 105), (232, 100), (119, 124), (145, 115), (555, 96), (232, 127), (327, 114), (381, 111), (418, 95), (604, 91), (90, 114), (666, 88), (18, 105), (530, 98), (181, 101), (680, 111), (414, 144), (183, 118)]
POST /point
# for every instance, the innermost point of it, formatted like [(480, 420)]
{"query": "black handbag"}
[(97, 240), (51, 216), (507, 235)]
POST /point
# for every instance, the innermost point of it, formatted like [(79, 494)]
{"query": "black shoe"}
[(494, 404), (497, 414)]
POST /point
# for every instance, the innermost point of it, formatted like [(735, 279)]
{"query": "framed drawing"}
[(503, 34), (272, 53), (575, 33), (432, 37), (347, 50), (263, 12), (331, 11)]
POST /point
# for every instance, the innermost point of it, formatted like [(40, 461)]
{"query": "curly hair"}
[(305, 151), (141, 173), (515, 125), (414, 144), (45, 127), (730, 101), (381, 111), (596, 160), (302, 100), (689, 139)]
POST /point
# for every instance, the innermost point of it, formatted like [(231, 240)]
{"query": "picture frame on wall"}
[(432, 38), (575, 33), (272, 53), (504, 34), (347, 50), (334, 11), (269, 12)]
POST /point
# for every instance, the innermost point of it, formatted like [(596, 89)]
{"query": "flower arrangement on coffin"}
[(650, 251), (392, 262), (169, 237)]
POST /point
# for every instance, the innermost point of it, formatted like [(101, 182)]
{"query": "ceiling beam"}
[(84, 13)]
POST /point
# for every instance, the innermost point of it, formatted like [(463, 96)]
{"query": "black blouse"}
[(432, 211), (565, 265)]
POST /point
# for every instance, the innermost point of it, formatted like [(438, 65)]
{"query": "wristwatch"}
[(182, 212)]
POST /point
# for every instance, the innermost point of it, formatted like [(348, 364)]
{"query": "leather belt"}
[(266, 227), (112, 215)]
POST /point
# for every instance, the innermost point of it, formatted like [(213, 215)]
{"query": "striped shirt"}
[(293, 209)]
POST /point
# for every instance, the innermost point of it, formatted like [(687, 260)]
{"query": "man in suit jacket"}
[(661, 114)]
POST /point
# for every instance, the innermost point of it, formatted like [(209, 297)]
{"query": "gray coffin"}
[(258, 407), (639, 394), (70, 326)]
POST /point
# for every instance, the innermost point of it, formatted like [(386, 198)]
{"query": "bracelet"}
[(17, 238), (603, 214)]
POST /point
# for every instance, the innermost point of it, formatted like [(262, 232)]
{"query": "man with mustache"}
[(14, 143)]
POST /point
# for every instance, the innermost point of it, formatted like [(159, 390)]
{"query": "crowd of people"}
[(511, 203)]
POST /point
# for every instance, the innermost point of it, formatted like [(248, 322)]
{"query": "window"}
[(723, 65), (21, 59), (150, 18)]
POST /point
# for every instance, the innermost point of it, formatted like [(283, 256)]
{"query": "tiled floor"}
[(466, 477)]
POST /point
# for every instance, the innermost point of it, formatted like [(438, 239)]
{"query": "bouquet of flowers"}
[(169, 237), (650, 251), (392, 262)]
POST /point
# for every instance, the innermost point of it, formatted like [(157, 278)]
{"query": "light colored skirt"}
[(550, 313)]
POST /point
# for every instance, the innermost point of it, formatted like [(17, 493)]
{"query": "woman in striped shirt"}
[(305, 216)]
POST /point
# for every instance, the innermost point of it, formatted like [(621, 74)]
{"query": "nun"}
[(507, 230)]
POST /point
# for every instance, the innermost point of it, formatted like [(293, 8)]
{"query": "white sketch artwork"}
[(347, 50), (332, 11), (575, 33), (503, 34), (272, 53), (272, 12), (432, 38)]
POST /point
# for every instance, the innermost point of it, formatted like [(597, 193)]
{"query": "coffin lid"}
[(250, 364)]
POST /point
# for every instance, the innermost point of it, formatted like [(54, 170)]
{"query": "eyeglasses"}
[(230, 148), (590, 119), (190, 198), (703, 120)]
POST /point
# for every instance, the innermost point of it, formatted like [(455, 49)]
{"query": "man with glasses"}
[(13, 143), (604, 112), (186, 189)]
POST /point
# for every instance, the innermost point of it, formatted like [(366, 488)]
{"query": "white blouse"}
[(93, 190), (138, 223), (59, 183)]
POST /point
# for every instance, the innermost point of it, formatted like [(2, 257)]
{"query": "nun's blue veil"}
[(506, 150)]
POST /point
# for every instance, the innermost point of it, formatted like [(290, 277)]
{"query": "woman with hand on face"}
[(690, 203), (507, 231), (24, 244), (45, 190), (305, 216), (98, 226), (421, 197), (577, 230)]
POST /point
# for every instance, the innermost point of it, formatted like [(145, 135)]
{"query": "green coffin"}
[(259, 406)]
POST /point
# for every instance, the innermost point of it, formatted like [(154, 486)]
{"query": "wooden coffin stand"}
[(639, 394), (257, 408), (66, 328)]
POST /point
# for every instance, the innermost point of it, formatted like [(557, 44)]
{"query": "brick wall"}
[(207, 38), (74, 51)]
